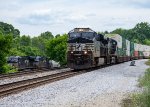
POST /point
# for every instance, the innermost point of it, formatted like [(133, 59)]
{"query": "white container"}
[(140, 47), (146, 51), (144, 48), (127, 47), (146, 54), (136, 47), (149, 50)]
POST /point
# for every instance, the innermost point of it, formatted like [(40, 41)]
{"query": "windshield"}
[(87, 35), (74, 35)]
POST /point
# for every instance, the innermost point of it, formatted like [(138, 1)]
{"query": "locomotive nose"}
[(79, 60)]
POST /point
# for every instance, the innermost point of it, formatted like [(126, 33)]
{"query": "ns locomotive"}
[(87, 49)]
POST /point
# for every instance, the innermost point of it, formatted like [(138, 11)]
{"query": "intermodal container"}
[(131, 49), (127, 47), (136, 50)]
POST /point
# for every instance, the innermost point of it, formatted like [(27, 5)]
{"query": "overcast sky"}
[(33, 17)]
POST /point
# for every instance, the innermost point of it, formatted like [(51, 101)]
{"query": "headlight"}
[(85, 52), (72, 52)]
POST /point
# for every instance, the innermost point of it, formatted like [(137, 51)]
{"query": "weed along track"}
[(22, 73), (19, 86)]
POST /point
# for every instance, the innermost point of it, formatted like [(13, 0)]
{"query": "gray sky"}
[(33, 17)]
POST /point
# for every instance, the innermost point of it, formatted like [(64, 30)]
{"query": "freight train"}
[(31, 62), (87, 49)]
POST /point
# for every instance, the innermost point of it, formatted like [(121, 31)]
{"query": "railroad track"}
[(15, 87), (22, 73)]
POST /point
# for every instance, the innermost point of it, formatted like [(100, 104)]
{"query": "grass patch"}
[(137, 100), (132, 101), (147, 62), (140, 99), (145, 80)]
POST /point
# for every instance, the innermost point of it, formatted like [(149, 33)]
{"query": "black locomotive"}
[(31, 62)]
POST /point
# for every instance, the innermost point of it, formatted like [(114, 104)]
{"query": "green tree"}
[(58, 35), (143, 28), (9, 29), (40, 42), (25, 41), (16, 52), (47, 35), (147, 41), (56, 49), (143, 31), (29, 51), (5, 46)]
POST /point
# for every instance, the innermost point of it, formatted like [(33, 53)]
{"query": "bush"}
[(8, 69), (56, 49)]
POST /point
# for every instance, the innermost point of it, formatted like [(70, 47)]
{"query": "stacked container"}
[(146, 51), (141, 49), (149, 51), (136, 50), (128, 48), (124, 47), (132, 50)]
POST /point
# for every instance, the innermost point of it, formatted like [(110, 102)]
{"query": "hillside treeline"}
[(53, 46)]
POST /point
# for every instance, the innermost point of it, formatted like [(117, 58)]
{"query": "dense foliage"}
[(27, 46), (8, 29), (56, 49), (5, 45)]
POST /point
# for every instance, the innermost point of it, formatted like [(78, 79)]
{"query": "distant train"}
[(87, 49), (32, 62)]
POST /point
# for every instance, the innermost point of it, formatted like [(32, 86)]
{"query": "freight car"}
[(32, 62), (87, 49)]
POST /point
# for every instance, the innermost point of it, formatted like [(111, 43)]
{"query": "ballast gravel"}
[(105, 87), (30, 76)]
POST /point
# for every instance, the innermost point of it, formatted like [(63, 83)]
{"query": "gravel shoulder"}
[(39, 74), (104, 87)]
